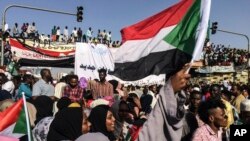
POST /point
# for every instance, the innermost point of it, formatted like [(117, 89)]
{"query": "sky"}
[(113, 15)]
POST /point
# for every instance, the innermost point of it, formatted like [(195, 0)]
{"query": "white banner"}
[(216, 69), (90, 57)]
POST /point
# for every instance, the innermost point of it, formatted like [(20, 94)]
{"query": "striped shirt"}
[(100, 90)]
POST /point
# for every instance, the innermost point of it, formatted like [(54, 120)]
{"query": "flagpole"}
[(201, 36), (27, 117)]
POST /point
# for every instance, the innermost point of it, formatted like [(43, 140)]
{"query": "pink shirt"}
[(205, 133)]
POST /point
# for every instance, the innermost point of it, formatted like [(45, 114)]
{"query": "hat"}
[(245, 105)]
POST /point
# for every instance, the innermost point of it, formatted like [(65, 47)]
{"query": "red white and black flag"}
[(164, 42)]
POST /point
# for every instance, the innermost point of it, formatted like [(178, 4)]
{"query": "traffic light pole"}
[(26, 7), (247, 48)]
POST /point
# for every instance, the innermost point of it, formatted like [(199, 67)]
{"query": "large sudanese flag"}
[(162, 43)]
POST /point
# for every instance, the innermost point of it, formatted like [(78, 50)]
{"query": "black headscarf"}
[(114, 84), (44, 107), (97, 118), (63, 103), (118, 121), (115, 110), (146, 101), (67, 124), (5, 95)]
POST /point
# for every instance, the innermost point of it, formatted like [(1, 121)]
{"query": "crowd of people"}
[(219, 55), (80, 109), (212, 54), (29, 31)]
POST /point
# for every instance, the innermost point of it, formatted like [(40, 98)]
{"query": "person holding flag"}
[(163, 44)]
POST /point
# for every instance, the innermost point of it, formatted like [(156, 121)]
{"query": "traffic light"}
[(214, 27), (79, 14)]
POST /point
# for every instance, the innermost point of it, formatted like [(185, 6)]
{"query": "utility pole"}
[(25, 7)]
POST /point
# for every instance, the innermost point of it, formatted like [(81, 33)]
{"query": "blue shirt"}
[(24, 87)]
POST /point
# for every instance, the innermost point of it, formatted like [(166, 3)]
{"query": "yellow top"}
[(229, 113)]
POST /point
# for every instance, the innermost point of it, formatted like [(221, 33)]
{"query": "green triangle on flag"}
[(21, 126), (183, 36)]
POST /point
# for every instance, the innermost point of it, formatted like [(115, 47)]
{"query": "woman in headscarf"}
[(67, 124), (63, 102), (117, 89), (102, 125), (44, 107), (120, 111), (25, 87), (41, 129), (85, 123), (138, 118), (146, 100), (83, 82)]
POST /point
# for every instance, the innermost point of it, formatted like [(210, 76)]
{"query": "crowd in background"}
[(109, 110), (219, 55), (30, 31), (212, 54)]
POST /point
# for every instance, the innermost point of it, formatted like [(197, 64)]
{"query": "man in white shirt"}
[(66, 34), (74, 32), (44, 86), (31, 30), (89, 34)]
